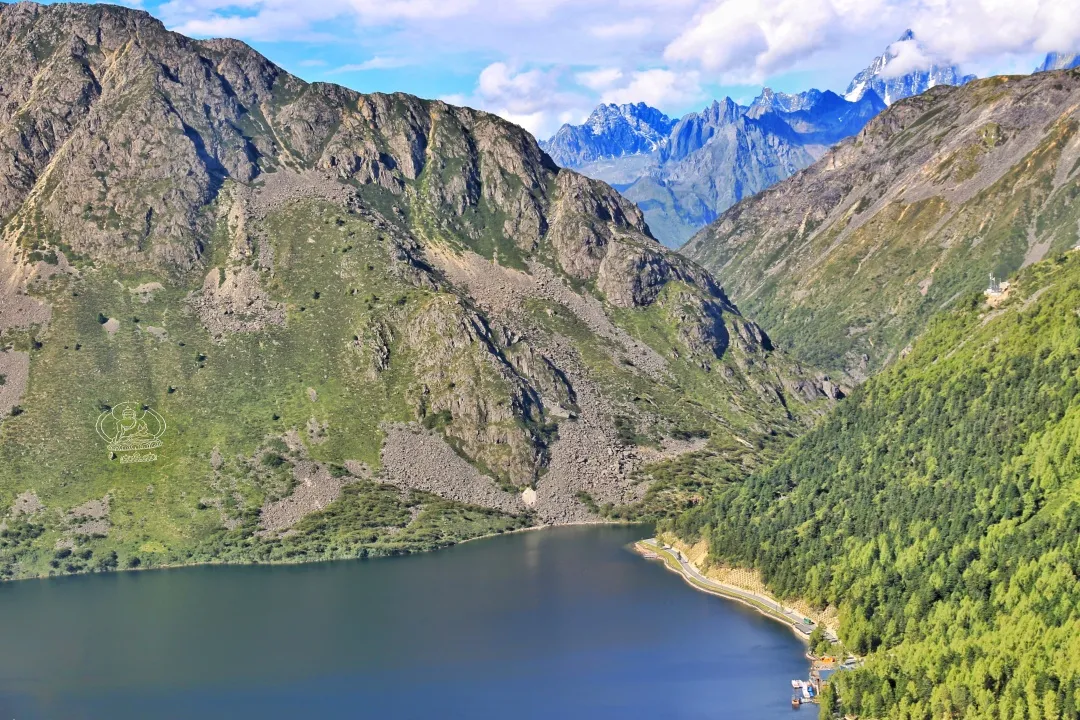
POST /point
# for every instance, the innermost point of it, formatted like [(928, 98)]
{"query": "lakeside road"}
[(675, 561)]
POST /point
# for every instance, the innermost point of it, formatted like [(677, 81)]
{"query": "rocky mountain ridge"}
[(772, 101), (373, 323), (847, 260), (710, 159), (611, 131)]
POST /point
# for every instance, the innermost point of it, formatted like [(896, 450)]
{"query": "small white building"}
[(996, 287)]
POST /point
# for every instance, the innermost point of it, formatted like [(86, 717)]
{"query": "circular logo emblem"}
[(131, 428)]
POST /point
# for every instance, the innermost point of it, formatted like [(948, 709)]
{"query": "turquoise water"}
[(561, 623)]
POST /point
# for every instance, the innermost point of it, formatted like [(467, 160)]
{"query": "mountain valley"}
[(371, 323), (249, 319), (848, 261)]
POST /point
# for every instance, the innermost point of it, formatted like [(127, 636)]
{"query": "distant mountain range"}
[(684, 173)]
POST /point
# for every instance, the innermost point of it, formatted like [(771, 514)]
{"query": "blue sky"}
[(544, 62)]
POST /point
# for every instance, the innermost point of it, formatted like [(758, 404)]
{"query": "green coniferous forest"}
[(938, 507)]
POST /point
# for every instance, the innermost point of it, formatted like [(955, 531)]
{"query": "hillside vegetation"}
[(371, 323), (939, 508), (846, 262)]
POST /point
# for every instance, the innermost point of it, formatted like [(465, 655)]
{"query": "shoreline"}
[(273, 563), (531, 528), (728, 592)]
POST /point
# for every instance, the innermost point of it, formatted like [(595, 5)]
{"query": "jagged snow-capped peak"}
[(648, 121), (610, 131), (1059, 61), (771, 101), (892, 86)]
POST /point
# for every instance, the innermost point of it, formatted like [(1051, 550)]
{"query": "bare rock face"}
[(91, 517), (465, 385), (700, 322), (233, 301), (633, 273), (26, 503), (17, 309), (581, 243), (416, 459), (154, 124), (315, 489)]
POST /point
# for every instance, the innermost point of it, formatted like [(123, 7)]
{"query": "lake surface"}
[(561, 623)]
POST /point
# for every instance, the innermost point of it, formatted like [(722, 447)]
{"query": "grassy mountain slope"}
[(372, 323), (848, 260), (939, 508)]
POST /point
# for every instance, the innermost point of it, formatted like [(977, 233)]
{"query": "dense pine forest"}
[(939, 508)]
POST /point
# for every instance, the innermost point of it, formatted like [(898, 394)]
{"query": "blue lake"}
[(559, 623)]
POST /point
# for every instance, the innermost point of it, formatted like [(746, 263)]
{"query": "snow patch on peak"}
[(772, 101), (856, 91), (906, 68), (610, 131)]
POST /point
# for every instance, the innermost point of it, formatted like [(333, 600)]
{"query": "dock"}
[(821, 671)]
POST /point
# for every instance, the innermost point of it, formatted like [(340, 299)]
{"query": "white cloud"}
[(975, 29), (657, 87), (631, 28), (574, 117), (277, 20), (455, 99), (538, 123), (548, 59), (530, 98), (376, 63), (534, 98), (751, 40), (746, 41), (523, 91), (909, 56), (600, 79), (412, 9), (575, 32)]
